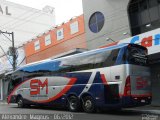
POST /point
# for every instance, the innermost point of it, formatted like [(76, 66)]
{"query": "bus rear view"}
[(137, 86)]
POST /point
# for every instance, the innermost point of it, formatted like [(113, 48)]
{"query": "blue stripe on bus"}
[(119, 59), (82, 80)]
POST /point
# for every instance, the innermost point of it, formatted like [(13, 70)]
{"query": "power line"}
[(21, 15), (25, 23), (5, 44), (24, 18), (13, 50), (28, 19), (5, 55), (21, 61), (3, 33)]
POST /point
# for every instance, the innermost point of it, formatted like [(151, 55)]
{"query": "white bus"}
[(112, 77)]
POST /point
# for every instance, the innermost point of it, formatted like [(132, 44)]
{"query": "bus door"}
[(114, 84)]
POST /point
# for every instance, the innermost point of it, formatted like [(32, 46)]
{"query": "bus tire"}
[(20, 102), (73, 104), (88, 104)]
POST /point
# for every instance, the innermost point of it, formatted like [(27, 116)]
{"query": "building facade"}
[(126, 21), (108, 19), (25, 22), (58, 40)]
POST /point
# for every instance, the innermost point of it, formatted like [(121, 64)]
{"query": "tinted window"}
[(13, 83), (10, 87), (92, 61), (111, 59)]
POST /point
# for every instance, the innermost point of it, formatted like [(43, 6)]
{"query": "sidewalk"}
[(3, 102), (148, 109)]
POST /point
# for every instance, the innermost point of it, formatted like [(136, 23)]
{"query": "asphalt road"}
[(40, 113)]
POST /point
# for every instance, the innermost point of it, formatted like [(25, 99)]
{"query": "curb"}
[(5, 103)]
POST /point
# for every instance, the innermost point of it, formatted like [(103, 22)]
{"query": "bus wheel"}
[(73, 104), (88, 104), (20, 102)]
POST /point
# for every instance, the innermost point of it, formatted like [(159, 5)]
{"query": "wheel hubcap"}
[(88, 104), (73, 104), (20, 103)]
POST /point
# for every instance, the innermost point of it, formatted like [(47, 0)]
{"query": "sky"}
[(64, 9)]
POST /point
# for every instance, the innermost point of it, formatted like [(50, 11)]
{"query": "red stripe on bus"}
[(68, 86), (104, 80), (65, 90)]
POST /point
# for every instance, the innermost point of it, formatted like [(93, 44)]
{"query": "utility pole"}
[(13, 50)]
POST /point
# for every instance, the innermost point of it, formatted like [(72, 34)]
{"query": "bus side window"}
[(114, 58), (85, 66), (98, 65), (111, 59), (82, 63)]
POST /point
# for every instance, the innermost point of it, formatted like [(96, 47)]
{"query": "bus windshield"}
[(137, 55), (13, 83), (10, 87)]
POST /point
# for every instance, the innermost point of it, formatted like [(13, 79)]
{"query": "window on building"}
[(144, 15), (47, 40), (74, 27), (60, 34), (37, 45), (96, 22)]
